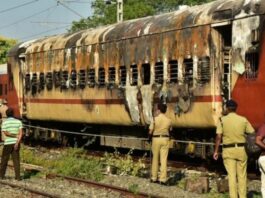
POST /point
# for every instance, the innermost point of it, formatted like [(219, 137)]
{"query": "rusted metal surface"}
[(106, 186), (188, 37), (33, 191)]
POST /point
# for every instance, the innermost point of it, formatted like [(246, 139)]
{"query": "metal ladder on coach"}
[(227, 72)]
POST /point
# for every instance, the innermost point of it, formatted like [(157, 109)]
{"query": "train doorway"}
[(225, 43)]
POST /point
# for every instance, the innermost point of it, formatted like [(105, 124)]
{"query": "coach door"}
[(21, 90), (225, 43)]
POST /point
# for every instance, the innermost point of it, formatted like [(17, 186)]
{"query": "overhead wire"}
[(68, 8), (77, 1), (40, 33), (23, 19), (49, 22), (18, 6), (59, 2)]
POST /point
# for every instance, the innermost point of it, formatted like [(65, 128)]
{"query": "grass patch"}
[(72, 162)]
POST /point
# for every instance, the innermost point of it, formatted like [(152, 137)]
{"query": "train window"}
[(251, 65), (49, 80), (27, 82), (173, 71), (64, 79), (133, 75), (159, 73), (146, 74), (122, 75), (82, 79), (1, 89), (57, 78), (111, 77), (204, 70), (34, 84), (91, 78), (188, 65), (101, 77), (73, 79), (42, 81)]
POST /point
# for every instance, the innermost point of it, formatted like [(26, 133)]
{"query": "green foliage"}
[(134, 188), (106, 14), (81, 166), (5, 45), (73, 162), (124, 163), (31, 157)]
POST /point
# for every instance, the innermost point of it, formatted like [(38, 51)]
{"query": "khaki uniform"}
[(3, 109), (160, 146), (233, 128)]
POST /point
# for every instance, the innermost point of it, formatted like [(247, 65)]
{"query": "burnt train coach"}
[(193, 59)]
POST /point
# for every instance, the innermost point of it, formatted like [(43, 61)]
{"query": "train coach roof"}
[(214, 12)]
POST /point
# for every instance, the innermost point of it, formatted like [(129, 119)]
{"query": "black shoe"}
[(164, 183), (154, 181)]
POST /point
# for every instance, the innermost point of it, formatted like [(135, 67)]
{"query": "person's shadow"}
[(254, 194)]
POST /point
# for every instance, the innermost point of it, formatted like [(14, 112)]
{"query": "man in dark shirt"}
[(259, 141)]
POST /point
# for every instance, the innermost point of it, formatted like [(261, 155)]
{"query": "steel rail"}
[(33, 191), (106, 186)]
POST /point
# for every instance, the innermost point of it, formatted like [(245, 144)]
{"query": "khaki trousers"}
[(235, 162), (160, 147)]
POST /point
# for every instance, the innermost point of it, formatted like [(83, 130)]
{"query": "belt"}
[(160, 135), (233, 145)]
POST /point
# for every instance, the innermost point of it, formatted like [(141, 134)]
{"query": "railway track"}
[(94, 184), (31, 190)]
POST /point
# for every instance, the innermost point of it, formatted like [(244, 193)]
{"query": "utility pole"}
[(119, 11)]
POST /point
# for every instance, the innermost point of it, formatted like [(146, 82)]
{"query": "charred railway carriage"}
[(193, 59)]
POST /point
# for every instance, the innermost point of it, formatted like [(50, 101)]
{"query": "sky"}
[(29, 19)]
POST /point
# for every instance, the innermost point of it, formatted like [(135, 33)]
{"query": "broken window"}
[(73, 79), (204, 70), (146, 74), (64, 79), (251, 65), (159, 72), (57, 79), (112, 73), (133, 75), (27, 82), (91, 78), (82, 79), (42, 82), (173, 71), (34, 84), (49, 80), (188, 65), (122, 75), (101, 77)]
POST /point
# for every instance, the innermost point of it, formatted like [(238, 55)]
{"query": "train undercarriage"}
[(183, 141)]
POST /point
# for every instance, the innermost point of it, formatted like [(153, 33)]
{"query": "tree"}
[(5, 45), (106, 14)]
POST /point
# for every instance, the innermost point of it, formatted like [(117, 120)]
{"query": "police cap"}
[(231, 103)]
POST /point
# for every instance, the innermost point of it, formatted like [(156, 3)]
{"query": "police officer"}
[(231, 129), (159, 130)]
